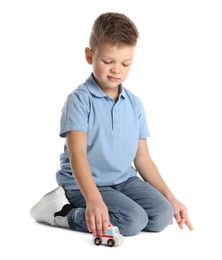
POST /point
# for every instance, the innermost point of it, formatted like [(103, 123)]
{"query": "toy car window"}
[(110, 232)]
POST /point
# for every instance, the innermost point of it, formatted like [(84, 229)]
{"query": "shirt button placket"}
[(115, 120)]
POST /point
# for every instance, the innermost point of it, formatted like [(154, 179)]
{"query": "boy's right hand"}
[(97, 217)]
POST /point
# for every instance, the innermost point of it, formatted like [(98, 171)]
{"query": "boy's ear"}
[(88, 55)]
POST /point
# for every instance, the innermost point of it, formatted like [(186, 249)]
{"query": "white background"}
[(177, 72)]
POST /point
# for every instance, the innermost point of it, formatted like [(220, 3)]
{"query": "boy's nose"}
[(115, 69)]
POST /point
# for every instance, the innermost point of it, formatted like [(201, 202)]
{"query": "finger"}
[(177, 217), (188, 224), (105, 225), (99, 225), (181, 223), (183, 217), (90, 222)]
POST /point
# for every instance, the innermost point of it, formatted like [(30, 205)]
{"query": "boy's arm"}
[(97, 217), (149, 172)]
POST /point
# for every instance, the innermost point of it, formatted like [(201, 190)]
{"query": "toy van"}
[(111, 238)]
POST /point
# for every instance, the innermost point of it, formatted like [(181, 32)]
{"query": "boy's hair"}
[(113, 28)]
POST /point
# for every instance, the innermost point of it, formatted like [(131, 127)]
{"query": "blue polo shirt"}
[(113, 130)]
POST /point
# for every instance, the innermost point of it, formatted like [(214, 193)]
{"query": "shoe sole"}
[(49, 204)]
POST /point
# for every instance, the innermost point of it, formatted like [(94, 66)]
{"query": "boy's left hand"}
[(181, 215)]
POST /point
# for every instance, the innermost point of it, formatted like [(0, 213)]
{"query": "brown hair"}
[(114, 28)]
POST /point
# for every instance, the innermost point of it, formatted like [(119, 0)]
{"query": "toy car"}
[(111, 238)]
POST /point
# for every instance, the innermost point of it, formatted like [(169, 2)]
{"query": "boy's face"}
[(111, 65)]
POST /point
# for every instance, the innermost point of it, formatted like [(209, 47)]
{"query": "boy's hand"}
[(97, 217), (181, 215)]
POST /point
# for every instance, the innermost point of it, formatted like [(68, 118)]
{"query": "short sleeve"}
[(143, 126), (75, 113)]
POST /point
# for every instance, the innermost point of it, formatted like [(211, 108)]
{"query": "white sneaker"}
[(53, 202)]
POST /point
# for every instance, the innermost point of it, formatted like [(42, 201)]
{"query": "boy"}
[(106, 130)]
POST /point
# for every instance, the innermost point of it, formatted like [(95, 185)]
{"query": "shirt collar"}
[(95, 90)]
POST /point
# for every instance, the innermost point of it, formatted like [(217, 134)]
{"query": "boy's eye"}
[(110, 62), (107, 62)]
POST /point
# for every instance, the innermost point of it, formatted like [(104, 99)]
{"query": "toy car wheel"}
[(98, 241), (110, 242)]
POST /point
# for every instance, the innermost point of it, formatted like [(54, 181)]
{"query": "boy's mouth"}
[(113, 78)]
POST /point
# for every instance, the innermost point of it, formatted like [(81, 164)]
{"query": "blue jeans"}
[(133, 206)]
